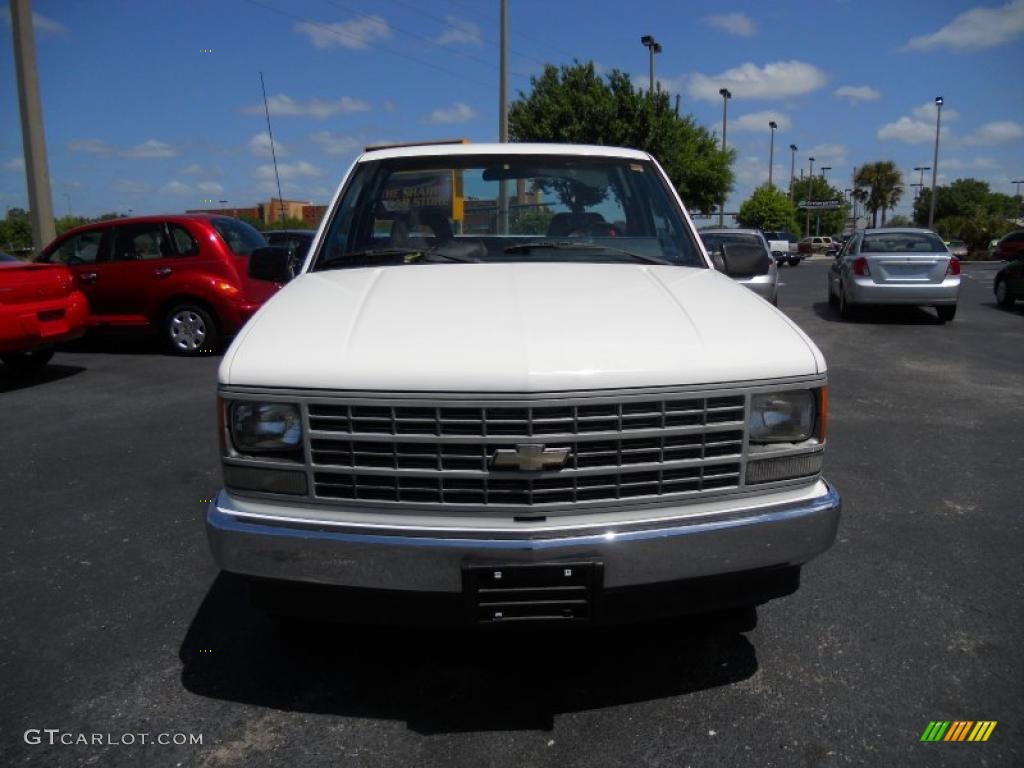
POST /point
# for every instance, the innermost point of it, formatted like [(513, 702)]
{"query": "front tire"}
[(946, 314), (794, 262), (24, 363), (190, 330), (1003, 296)]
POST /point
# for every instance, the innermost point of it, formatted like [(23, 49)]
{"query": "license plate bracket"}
[(532, 592)]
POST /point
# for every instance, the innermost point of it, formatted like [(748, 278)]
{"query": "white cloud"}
[(298, 169), (335, 143), (459, 32), (758, 121), (147, 149), (855, 93), (907, 130), (195, 169), (975, 29), (357, 35), (458, 112), (777, 80), (956, 164), (176, 188), (825, 154), (996, 133), (43, 25), (259, 145), (738, 24), (151, 148), (928, 111), (130, 187), (91, 146), (15, 164), (281, 104), (210, 187)]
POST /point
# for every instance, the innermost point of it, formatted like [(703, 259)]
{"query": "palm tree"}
[(879, 186)]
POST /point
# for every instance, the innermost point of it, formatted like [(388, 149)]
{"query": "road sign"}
[(820, 205)]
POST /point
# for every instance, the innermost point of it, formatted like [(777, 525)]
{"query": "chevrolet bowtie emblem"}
[(529, 457)]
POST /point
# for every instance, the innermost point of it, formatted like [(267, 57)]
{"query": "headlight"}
[(265, 427), (782, 417)]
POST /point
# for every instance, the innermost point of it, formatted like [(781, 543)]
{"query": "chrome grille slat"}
[(438, 453)]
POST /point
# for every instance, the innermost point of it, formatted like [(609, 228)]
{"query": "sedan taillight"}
[(860, 267), (953, 269)]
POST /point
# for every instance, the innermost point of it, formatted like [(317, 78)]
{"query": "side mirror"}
[(717, 260), (745, 260), (271, 263)]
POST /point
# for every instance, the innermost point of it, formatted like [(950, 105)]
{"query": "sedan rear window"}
[(240, 237), (903, 242)]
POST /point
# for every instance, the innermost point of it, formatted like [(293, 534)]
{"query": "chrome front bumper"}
[(744, 534)]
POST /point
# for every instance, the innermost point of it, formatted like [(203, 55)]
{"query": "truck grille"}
[(401, 453)]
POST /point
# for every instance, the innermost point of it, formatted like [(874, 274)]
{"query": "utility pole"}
[(772, 125), (503, 116), (503, 86), (726, 95), (37, 174), (792, 169), (810, 194), (935, 160)]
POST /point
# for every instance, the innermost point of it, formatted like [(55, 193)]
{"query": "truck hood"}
[(516, 327)]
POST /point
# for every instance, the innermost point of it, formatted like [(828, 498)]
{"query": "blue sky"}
[(140, 116)]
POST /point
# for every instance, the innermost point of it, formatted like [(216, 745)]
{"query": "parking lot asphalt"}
[(115, 621)]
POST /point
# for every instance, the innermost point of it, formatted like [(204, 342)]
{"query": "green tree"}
[(64, 223), (16, 230), (288, 223), (767, 208), (828, 222), (899, 221), (573, 104), (879, 186), (964, 197)]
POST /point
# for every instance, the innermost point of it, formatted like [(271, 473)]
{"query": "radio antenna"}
[(273, 154)]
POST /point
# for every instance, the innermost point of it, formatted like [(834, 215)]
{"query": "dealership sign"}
[(821, 205)]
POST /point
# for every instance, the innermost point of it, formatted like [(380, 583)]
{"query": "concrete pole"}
[(810, 194), (935, 162), (503, 86), (771, 155), (37, 174)]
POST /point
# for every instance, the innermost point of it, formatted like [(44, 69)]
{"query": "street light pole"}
[(726, 95), (810, 194), (67, 196), (825, 168), (503, 76), (920, 179), (935, 160), (771, 152), (792, 169), (653, 47)]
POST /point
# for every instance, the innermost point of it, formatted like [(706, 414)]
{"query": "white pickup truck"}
[(784, 247), (509, 384)]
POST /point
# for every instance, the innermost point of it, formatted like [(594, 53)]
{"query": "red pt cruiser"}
[(39, 306), (184, 277)]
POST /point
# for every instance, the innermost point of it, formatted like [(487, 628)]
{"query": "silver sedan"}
[(764, 280), (895, 266)]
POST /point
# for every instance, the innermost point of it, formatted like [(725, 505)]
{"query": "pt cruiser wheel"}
[(22, 363), (1003, 296), (189, 330)]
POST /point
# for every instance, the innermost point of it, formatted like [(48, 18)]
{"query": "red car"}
[(39, 306), (184, 277)]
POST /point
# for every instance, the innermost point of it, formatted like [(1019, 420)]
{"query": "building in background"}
[(269, 213)]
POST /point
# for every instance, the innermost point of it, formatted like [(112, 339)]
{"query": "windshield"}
[(903, 242), (240, 237), (506, 208), (713, 240)]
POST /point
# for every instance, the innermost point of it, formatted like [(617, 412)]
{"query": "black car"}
[(295, 240), (1009, 282)]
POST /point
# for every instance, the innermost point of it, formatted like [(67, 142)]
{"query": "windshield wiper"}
[(569, 245), (412, 256)]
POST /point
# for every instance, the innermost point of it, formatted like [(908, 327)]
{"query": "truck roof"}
[(444, 150)]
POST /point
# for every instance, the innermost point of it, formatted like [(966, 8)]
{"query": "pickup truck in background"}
[(783, 246)]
